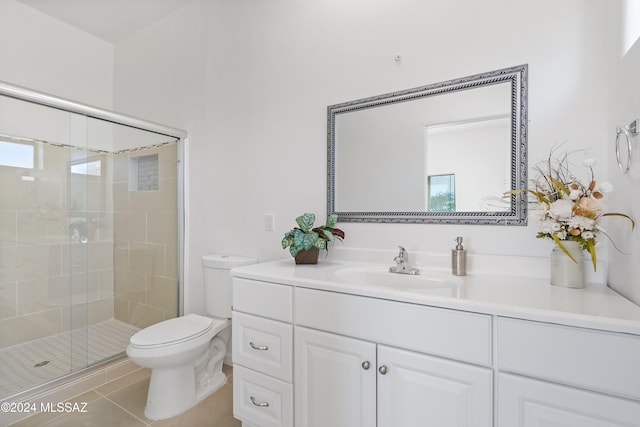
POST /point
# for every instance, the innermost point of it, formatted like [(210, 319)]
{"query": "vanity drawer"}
[(598, 360), (263, 299), (442, 332), (261, 400), (264, 345)]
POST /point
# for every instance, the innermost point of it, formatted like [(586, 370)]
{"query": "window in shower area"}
[(143, 173), (84, 262), (14, 154), (87, 167)]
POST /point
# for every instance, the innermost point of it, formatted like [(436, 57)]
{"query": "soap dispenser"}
[(459, 259)]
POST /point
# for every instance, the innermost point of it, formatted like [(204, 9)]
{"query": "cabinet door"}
[(524, 402), (335, 380), (419, 390)]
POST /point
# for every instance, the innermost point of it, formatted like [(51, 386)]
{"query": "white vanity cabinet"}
[(418, 389), (309, 352), (262, 353), (344, 382), (335, 380), (560, 376), (353, 366)]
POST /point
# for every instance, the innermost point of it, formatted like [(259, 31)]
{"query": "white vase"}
[(566, 272)]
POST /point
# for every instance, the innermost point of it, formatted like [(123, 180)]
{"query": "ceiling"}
[(109, 20)]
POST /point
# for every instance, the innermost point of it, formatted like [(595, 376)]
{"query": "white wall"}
[(160, 75), (301, 57), (250, 80), (47, 55), (624, 106)]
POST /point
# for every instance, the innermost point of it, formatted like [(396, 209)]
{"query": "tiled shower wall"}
[(145, 233), (50, 282)]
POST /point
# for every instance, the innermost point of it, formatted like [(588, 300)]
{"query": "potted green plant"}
[(305, 241)]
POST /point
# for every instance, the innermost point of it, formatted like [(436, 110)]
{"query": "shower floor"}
[(36, 362)]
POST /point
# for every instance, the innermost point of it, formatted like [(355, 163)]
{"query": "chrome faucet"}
[(402, 264)]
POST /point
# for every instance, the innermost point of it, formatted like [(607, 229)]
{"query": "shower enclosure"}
[(90, 240)]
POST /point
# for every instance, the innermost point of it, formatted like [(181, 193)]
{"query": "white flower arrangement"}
[(569, 210)]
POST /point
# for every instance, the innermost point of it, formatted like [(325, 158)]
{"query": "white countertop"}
[(595, 306)]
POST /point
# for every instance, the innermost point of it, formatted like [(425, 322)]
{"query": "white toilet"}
[(185, 354)]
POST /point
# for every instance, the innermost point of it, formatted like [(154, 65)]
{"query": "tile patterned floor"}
[(35, 362), (121, 403)]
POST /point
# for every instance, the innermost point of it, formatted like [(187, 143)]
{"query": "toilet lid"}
[(172, 330)]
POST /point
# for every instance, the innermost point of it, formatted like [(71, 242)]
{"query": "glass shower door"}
[(42, 279), (76, 256), (89, 240), (144, 225)]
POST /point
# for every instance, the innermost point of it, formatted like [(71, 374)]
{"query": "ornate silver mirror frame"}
[(508, 211)]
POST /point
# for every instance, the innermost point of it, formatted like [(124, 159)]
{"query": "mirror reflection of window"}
[(441, 193), (483, 169), (16, 154)]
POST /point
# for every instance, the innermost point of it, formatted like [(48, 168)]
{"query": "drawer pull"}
[(260, 404), (258, 347), (366, 365), (383, 369)]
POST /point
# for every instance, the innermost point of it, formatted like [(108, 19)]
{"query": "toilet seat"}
[(175, 331)]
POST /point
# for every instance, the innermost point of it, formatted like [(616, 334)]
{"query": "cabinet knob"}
[(258, 347), (260, 404), (366, 365), (383, 370)]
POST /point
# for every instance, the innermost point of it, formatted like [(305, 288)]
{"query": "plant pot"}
[(564, 271), (307, 256)]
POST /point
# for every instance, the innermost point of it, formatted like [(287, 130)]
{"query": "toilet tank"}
[(217, 282)]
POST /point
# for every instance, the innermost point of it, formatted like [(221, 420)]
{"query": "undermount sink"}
[(379, 276)]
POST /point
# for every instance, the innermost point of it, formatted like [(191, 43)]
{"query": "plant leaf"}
[(294, 251), (539, 195), (338, 233), (561, 246), (559, 185), (306, 221), (287, 241), (591, 247), (327, 234), (321, 244), (331, 220), (309, 239), (298, 238), (633, 223)]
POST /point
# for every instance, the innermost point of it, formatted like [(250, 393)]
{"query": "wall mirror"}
[(441, 153)]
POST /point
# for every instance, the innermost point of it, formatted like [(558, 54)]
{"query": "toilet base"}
[(214, 385), (173, 391)]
